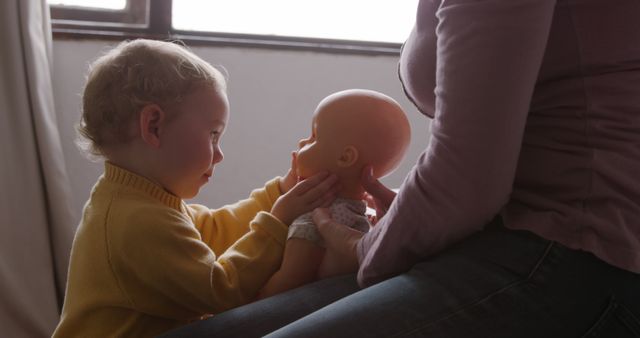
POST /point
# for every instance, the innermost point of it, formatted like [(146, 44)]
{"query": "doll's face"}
[(314, 152), (351, 129)]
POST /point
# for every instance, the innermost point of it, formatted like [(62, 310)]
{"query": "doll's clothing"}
[(344, 211)]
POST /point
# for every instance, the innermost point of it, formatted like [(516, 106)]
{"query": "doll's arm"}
[(299, 266)]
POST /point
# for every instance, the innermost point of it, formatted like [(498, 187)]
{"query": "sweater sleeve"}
[(222, 227), (488, 54), (165, 269)]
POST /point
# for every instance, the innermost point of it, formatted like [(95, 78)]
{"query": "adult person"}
[(522, 218)]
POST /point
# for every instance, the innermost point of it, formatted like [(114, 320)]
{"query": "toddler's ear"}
[(151, 117), (348, 157)]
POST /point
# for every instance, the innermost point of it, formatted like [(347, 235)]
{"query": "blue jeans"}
[(497, 283)]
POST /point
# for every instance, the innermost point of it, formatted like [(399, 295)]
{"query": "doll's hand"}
[(316, 191), (341, 241), (291, 178), (377, 195)]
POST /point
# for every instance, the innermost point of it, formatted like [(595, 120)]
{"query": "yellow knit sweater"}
[(144, 262)]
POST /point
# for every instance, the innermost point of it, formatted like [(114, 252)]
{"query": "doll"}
[(350, 129)]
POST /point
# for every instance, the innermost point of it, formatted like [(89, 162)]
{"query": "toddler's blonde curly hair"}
[(130, 76)]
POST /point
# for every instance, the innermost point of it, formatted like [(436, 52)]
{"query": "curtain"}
[(35, 209)]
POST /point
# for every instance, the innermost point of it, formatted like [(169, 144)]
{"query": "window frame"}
[(152, 19)]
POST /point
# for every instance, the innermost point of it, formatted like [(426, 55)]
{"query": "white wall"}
[(272, 94)]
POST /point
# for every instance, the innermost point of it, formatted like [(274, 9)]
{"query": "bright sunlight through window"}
[(360, 20), (364, 20), (102, 4)]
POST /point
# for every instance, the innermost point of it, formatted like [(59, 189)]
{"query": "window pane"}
[(364, 20), (101, 4)]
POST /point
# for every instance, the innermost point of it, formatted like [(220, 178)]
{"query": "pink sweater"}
[(536, 107)]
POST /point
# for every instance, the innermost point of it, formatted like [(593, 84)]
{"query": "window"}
[(355, 26), (98, 4), (97, 14)]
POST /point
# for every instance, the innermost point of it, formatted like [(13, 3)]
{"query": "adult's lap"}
[(499, 283)]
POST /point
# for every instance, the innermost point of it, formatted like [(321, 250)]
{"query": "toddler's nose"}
[(218, 156)]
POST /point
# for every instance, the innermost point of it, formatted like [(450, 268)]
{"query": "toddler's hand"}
[(291, 178), (316, 191)]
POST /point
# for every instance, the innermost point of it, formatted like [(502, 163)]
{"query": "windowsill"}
[(70, 32)]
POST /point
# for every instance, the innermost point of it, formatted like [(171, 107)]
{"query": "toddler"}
[(143, 261)]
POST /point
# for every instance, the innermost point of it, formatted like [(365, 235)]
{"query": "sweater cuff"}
[(272, 187), (264, 221)]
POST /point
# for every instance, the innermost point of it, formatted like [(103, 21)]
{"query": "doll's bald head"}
[(352, 129)]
